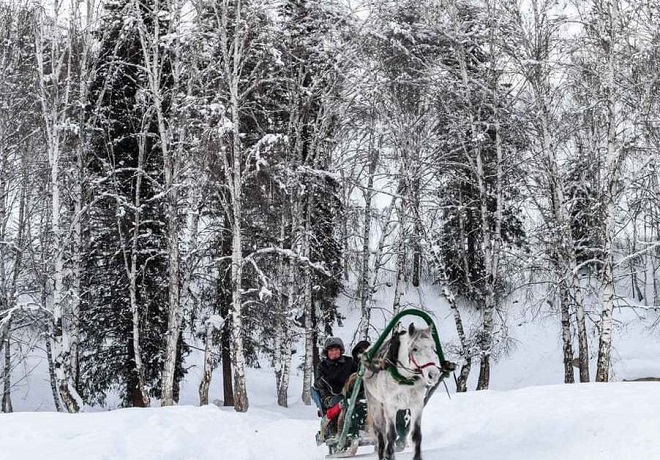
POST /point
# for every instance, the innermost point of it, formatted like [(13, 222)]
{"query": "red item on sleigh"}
[(334, 411)]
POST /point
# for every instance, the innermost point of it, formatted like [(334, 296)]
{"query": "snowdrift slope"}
[(590, 421)]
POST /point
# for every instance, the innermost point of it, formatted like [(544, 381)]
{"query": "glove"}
[(334, 410), (447, 367)]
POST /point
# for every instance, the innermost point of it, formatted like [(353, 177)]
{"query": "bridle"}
[(393, 366), (417, 368)]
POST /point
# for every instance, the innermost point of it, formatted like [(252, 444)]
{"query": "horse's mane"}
[(393, 347)]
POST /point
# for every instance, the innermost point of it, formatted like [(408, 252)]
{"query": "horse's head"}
[(417, 355)]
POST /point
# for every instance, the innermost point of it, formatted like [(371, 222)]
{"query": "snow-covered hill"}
[(617, 421)]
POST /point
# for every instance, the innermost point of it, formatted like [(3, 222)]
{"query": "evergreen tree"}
[(124, 309)]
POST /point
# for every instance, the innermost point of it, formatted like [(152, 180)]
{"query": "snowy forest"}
[(211, 175)]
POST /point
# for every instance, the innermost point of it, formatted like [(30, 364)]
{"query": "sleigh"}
[(352, 427)]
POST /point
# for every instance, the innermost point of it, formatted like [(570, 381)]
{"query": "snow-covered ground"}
[(591, 421), (528, 413)]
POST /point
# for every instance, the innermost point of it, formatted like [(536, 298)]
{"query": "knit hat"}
[(333, 342)]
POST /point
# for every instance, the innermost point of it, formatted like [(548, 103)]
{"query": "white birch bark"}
[(207, 373), (399, 282), (5, 298), (83, 29), (366, 271), (6, 377), (308, 366), (567, 342), (233, 60), (283, 334), (213, 324), (491, 247), (610, 19), (54, 98)]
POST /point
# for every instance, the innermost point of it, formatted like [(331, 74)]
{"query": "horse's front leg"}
[(416, 422), (390, 432), (391, 439), (378, 424)]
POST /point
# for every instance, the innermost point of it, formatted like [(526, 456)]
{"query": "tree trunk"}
[(564, 295), (170, 170), (605, 341), (51, 375), (635, 290), (308, 367), (241, 403), (283, 351), (461, 382), (54, 101), (205, 384), (208, 368), (580, 320), (365, 268), (399, 285), (140, 397), (227, 377), (417, 257), (416, 203), (486, 343), (283, 341), (6, 393), (175, 317), (76, 274), (612, 177), (655, 267), (491, 256), (85, 26), (224, 296)]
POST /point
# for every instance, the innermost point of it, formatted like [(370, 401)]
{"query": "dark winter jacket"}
[(331, 375)]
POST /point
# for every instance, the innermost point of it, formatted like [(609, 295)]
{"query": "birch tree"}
[(161, 50), (17, 80), (55, 93), (236, 44), (606, 26)]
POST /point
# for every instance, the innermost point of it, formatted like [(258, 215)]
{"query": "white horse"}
[(398, 378)]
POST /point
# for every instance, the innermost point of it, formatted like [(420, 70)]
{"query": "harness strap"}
[(400, 379)]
